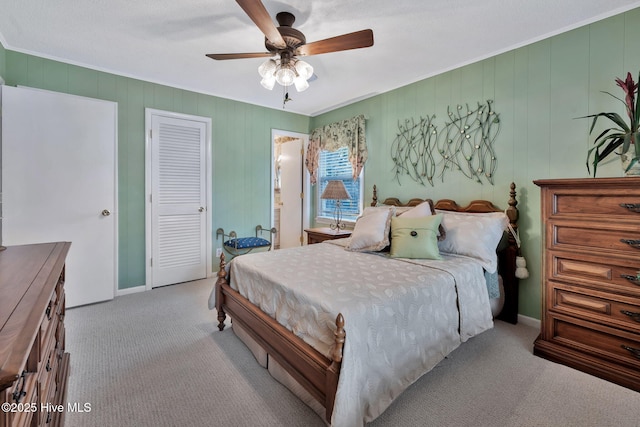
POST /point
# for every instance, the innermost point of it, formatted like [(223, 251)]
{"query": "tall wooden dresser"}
[(591, 291), (34, 367)]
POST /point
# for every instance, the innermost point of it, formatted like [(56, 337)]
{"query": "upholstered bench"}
[(235, 245)]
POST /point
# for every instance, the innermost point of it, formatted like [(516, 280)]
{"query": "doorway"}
[(290, 183), (178, 183)]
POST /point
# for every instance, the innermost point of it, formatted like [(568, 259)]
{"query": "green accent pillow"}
[(415, 238)]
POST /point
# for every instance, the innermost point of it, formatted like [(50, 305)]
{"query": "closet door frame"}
[(149, 113)]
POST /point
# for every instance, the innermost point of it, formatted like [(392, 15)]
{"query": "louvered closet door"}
[(178, 200)]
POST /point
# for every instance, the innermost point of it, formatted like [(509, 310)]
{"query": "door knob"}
[(106, 212), (201, 209)]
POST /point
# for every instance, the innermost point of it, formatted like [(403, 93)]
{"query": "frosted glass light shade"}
[(285, 76), (268, 81), (304, 69), (267, 68), (300, 83), (291, 72)]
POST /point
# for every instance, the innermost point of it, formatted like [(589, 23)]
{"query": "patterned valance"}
[(347, 133)]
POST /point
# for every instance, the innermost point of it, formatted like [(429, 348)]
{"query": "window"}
[(334, 165)]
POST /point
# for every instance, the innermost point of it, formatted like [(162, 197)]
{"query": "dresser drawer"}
[(620, 347), (623, 313), (612, 274), (606, 238), (23, 401), (49, 322), (48, 341), (603, 202), (48, 376)]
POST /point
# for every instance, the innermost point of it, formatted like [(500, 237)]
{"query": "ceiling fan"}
[(285, 44)]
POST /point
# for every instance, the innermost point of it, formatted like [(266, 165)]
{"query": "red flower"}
[(629, 87), (622, 137)]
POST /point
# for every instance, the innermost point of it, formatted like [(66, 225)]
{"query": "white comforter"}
[(401, 316)]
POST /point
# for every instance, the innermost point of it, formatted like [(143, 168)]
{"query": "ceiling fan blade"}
[(356, 40), (221, 56), (259, 15)]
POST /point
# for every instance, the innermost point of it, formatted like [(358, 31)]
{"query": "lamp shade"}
[(285, 71), (285, 75), (268, 82), (268, 67), (304, 69), (335, 190), (300, 84)]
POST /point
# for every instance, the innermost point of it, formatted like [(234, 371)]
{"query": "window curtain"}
[(347, 133)]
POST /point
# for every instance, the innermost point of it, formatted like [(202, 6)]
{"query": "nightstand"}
[(317, 235)]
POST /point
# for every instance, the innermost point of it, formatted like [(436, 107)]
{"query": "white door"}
[(179, 208), (59, 183), (291, 193)]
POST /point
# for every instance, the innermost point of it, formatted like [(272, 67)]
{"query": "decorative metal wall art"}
[(465, 144)]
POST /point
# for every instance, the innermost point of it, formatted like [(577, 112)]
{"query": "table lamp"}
[(335, 190)]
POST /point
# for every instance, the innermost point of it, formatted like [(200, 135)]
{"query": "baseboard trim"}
[(529, 321), (128, 291)]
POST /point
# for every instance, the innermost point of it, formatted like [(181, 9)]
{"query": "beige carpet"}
[(157, 359)]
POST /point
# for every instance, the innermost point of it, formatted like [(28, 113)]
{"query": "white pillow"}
[(423, 209), (402, 209), (371, 232), (373, 209), (474, 235)]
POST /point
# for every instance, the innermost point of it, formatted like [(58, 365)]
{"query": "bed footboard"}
[(311, 369)]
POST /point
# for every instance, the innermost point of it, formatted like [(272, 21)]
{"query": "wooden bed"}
[(316, 373)]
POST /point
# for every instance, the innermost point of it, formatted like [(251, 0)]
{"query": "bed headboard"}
[(506, 256), (476, 206)]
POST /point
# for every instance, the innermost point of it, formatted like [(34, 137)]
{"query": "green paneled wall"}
[(241, 136), (3, 61), (538, 91)]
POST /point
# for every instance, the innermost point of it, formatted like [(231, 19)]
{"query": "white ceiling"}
[(165, 41)]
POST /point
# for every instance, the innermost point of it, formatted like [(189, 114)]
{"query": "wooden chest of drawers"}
[(34, 367), (591, 257)]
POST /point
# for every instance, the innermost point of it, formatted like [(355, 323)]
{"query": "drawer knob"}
[(632, 279), (632, 243), (633, 207), (634, 351), (631, 314)]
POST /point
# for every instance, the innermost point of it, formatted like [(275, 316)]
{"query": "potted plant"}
[(625, 136)]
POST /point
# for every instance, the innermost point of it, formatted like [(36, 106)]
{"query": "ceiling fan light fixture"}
[(268, 81), (287, 72), (301, 83), (304, 69), (268, 67), (284, 43), (285, 75)]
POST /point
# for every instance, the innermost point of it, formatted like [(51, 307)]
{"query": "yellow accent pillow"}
[(415, 238)]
